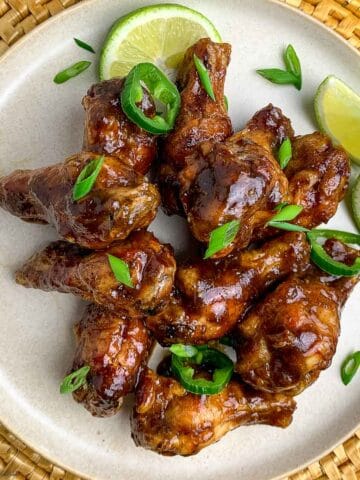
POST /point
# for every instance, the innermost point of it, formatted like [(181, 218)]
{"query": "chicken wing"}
[(68, 268), (108, 131), (318, 175), (210, 296), (290, 336), (171, 421), (120, 201), (116, 349), (239, 179), (200, 119)]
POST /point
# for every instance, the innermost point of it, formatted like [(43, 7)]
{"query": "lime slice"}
[(355, 201), (159, 34), (337, 110)]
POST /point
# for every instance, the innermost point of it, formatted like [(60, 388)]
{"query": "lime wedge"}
[(355, 201), (337, 110), (159, 34)]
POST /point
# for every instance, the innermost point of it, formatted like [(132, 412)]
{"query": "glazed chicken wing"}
[(120, 201), (239, 179), (201, 119), (318, 176), (291, 335), (108, 131), (68, 268), (210, 296), (116, 349), (169, 420)]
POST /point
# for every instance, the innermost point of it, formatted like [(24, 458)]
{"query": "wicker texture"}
[(19, 462)]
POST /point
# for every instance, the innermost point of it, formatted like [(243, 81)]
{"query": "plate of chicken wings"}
[(180, 358)]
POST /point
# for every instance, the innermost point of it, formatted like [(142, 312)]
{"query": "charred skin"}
[(291, 335), (116, 349), (67, 268), (108, 131), (120, 201), (171, 421), (211, 296)]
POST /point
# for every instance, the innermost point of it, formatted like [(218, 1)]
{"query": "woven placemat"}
[(17, 460)]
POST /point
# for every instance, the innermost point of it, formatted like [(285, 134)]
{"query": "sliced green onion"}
[(293, 65), (226, 101), (75, 380), (280, 206), (321, 258), (183, 351), (285, 153), (287, 213), (290, 76), (223, 370), (278, 76), (120, 270), (204, 77), (84, 45), (222, 237), (289, 227), (349, 367), (72, 71), (87, 178)]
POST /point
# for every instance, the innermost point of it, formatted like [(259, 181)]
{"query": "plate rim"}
[(88, 4)]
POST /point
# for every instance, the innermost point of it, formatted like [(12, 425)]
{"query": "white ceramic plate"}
[(42, 123)]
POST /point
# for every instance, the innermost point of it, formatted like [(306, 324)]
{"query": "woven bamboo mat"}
[(17, 460)]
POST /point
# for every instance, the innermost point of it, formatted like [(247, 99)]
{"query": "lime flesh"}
[(337, 109), (159, 34)]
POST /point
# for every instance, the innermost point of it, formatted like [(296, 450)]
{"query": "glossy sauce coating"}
[(108, 130), (239, 179), (292, 334), (210, 296), (318, 178), (200, 119), (171, 421), (67, 268), (116, 349), (120, 201)]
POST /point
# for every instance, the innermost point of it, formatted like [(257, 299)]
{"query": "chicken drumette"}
[(239, 179), (210, 296), (318, 176), (116, 349), (68, 268), (108, 130), (216, 179), (291, 335), (120, 201), (200, 121), (171, 421)]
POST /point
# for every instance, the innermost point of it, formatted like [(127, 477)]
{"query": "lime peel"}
[(337, 110), (159, 34)]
